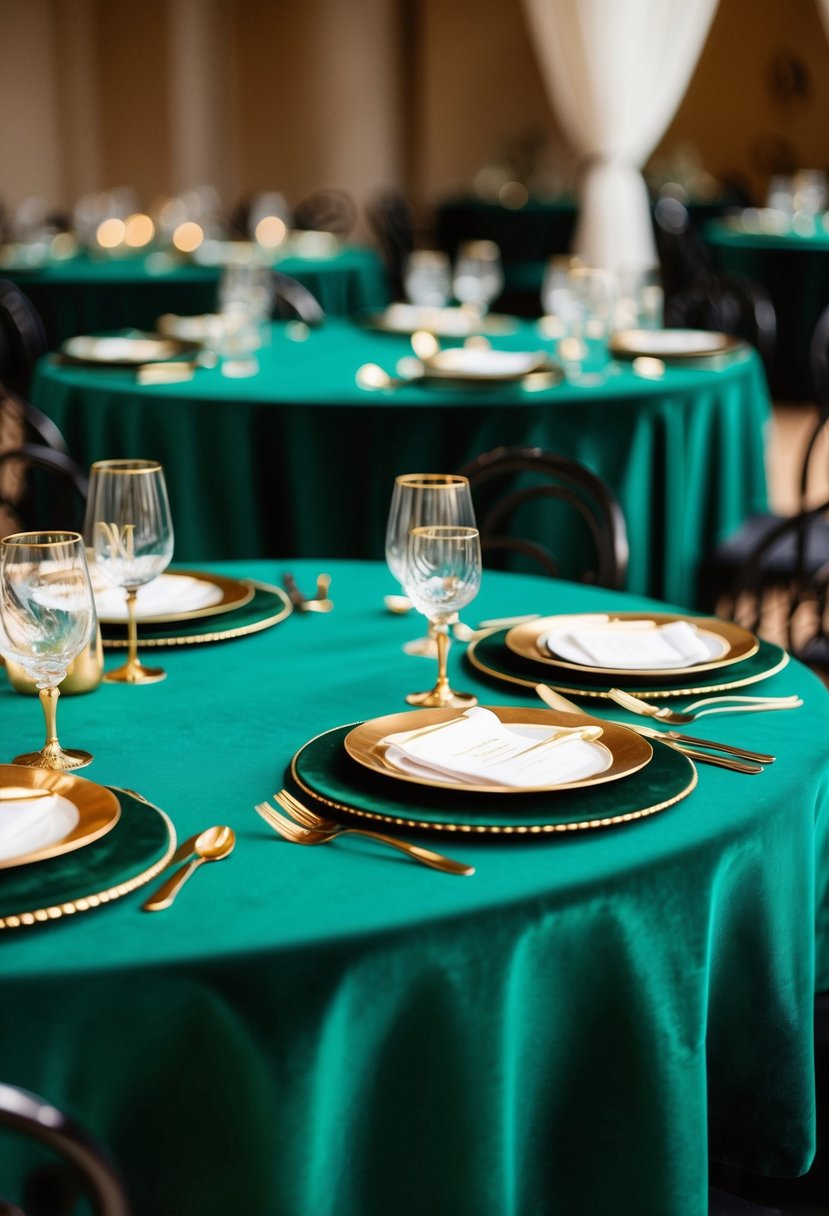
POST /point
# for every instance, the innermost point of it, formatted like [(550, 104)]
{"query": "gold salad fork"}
[(302, 826)]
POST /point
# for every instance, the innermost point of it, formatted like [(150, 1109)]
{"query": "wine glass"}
[(48, 616), (427, 278), (478, 276), (443, 575), (129, 527), (420, 499)]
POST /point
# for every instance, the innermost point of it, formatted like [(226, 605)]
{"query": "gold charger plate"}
[(402, 318), (464, 366), (235, 594), (628, 751), (670, 344), (524, 639), (98, 809), (268, 606), (127, 349)]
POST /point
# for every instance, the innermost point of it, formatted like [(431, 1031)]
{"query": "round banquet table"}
[(85, 294), (337, 1029), (795, 271), (298, 460)]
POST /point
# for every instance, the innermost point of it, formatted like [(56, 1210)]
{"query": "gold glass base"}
[(442, 698), (53, 756), (135, 673)]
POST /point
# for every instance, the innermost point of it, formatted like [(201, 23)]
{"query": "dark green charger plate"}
[(137, 849), (269, 606), (491, 657), (325, 776)]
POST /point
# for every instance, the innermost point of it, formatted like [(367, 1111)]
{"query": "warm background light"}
[(271, 231), (139, 230), (110, 233), (188, 236)]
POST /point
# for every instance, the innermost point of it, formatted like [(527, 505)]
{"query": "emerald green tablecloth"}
[(299, 460), (795, 271), (86, 295), (337, 1030)]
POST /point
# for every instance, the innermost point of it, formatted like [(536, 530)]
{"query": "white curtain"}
[(616, 71), (823, 9)]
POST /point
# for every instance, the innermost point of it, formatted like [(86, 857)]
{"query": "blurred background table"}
[(85, 295), (299, 460), (579, 1019), (795, 271)]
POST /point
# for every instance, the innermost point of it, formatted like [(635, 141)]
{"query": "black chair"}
[(771, 550), (329, 210), (683, 257), (22, 337), (729, 304), (506, 480), (22, 422), (83, 1169), (392, 223), (40, 489), (292, 299)]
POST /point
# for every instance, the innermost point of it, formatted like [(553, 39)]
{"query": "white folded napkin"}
[(34, 823), (477, 749), (164, 596), (598, 641)]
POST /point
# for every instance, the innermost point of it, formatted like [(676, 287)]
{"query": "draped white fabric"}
[(616, 71), (823, 9)]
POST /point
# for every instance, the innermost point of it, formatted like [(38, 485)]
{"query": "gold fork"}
[(314, 829)]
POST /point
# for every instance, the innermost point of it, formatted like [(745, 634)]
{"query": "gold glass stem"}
[(49, 702), (441, 635), (132, 628)]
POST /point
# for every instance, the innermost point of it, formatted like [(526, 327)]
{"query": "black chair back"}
[(329, 210), (392, 223), (84, 1168), (40, 489), (729, 304), (293, 299), (22, 422), (506, 480), (682, 255), (22, 337)]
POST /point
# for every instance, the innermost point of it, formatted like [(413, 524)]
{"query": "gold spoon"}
[(212, 845)]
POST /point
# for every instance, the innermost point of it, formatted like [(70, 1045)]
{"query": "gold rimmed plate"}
[(74, 813), (726, 642), (128, 349), (402, 318), (490, 657), (465, 366), (619, 751), (324, 773), (226, 595), (669, 344), (269, 606)]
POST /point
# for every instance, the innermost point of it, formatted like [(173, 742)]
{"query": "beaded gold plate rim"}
[(218, 635), (598, 694), (85, 903), (467, 829)]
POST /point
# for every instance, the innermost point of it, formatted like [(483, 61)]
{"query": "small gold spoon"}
[(212, 845)]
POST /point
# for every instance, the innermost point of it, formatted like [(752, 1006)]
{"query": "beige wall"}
[(280, 94)]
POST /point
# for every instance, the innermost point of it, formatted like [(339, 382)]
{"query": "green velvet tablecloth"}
[(86, 295), (299, 460), (795, 271), (338, 1030)]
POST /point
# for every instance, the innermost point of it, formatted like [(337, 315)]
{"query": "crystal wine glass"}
[(427, 278), (421, 499), (48, 616), (129, 527), (478, 276), (443, 575)]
